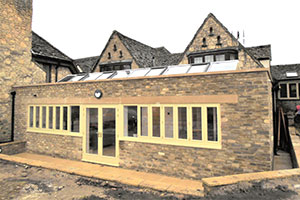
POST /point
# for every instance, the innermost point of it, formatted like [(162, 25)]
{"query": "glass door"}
[(100, 139)]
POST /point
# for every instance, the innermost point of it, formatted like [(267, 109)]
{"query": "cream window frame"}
[(288, 90), (189, 142), (47, 130)]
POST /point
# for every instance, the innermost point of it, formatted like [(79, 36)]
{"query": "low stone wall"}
[(62, 146), (11, 148), (228, 184)]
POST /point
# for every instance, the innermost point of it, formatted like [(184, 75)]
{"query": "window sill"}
[(54, 132), (176, 142)]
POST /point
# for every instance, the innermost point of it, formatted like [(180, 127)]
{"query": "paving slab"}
[(124, 176)]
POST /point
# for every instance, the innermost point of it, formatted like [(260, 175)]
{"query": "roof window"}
[(291, 74)]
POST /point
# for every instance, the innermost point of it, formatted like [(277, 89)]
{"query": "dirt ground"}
[(25, 182)]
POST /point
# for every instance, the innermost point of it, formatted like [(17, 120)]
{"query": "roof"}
[(144, 55), (260, 52), (43, 48), (86, 64), (278, 72)]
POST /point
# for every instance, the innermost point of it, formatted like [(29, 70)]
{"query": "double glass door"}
[(100, 139)]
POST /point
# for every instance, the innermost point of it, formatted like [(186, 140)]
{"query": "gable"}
[(212, 36), (113, 47)]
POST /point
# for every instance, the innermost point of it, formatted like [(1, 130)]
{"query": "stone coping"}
[(233, 179), (10, 143), (151, 77)]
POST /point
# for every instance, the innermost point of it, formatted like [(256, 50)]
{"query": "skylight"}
[(291, 74)]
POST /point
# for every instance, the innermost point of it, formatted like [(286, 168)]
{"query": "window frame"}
[(189, 142), (53, 130), (288, 90)]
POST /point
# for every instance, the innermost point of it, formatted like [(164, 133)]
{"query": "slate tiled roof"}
[(43, 48), (278, 72), (86, 64), (260, 52)]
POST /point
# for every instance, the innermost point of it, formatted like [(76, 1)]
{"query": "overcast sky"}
[(81, 28)]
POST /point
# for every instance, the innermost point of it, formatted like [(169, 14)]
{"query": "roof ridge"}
[(51, 45)]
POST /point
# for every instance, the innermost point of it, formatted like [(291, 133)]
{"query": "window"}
[(169, 122), (44, 114), (31, 116), (219, 40), (37, 117), (289, 90), (65, 118), (115, 47), (211, 31), (75, 118), (220, 57), (197, 123), (204, 42), (50, 117), (114, 67), (57, 117), (144, 121), (130, 121), (212, 128), (209, 58), (121, 54), (198, 60), (109, 55), (182, 123)]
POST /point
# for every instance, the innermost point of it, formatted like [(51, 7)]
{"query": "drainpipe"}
[(13, 97)]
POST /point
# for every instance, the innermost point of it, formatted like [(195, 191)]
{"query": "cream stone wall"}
[(115, 55), (16, 67)]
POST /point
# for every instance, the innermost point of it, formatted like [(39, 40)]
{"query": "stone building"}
[(204, 112), (18, 48)]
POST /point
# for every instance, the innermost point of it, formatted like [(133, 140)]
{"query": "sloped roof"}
[(278, 72), (86, 64), (43, 48), (260, 52)]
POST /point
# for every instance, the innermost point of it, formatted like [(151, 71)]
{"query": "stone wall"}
[(16, 67), (11, 148), (246, 126)]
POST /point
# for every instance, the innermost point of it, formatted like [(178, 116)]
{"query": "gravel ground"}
[(24, 182)]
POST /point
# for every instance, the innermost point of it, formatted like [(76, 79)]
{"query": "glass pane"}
[(44, 117), (179, 69), (37, 117), (57, 119), (223, 66), (198, 60), (50, 117), (92, 130), (139, 72), (155, 71), (198, 68), (209, 58), (31, 116), (293, 90), (144, 121), (283, 90), (169, 122), (130, 121), (65, 118), (109, 131), (156, 121), (212, 126), (197, 125), (220, 57), (182, 123), (75, 118)]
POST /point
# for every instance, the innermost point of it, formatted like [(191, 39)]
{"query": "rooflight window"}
[(291, 74), (204, 42)]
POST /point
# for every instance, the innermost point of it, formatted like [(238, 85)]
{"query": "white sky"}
[(81, 28)]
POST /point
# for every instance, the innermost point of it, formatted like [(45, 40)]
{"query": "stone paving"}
[(124, 176)]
